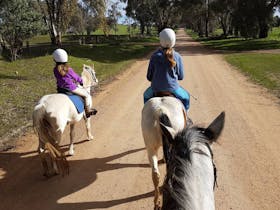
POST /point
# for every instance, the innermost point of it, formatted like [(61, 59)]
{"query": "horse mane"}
[(176, 186)]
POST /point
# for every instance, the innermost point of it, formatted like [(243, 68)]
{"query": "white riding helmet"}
[(167, 38), (60, 56)]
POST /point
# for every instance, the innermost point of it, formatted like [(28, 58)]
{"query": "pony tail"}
[(170, 57), (63, 69)]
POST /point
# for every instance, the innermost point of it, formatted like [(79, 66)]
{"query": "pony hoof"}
[(157, 207), (71, 152), (90, 138)]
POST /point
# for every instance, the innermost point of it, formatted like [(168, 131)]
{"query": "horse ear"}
[(168, 132), (215, 128)]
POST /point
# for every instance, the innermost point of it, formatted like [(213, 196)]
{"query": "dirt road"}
[(112, 172)]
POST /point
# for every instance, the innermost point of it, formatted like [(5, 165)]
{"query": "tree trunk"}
[(142, 27), (263, 33), (206, 18)]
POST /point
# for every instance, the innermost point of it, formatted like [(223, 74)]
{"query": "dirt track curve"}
[(112, 172)]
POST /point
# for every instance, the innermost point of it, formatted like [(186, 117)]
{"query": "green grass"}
[(261, 68), (122, 36), (239, 44), (121, 30), (19, 93)]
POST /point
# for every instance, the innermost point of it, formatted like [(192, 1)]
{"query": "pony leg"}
[(42, 155), (89, 135), (155, 176), (41, 147), (72, 133), (57, 136)]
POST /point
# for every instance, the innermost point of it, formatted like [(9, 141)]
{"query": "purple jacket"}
[(68, 81)]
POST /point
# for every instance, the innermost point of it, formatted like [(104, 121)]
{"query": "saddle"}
[(78, 101), (163, 93)]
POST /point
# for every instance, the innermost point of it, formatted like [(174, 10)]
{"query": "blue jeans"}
[(180, 93)]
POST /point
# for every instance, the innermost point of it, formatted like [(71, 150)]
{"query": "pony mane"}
[(179, 169)]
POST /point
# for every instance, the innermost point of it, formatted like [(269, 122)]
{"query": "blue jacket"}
[(162, 76)]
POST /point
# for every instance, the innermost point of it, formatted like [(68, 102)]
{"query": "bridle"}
[(213, 163), (214, 166)]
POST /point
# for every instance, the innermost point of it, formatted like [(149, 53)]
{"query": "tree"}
[(97, 12), (57, 15), (264, 10), (223, 10), (113, 15), (193, 16), (142, 11), (18, 22), (160, 13), (77, 22)]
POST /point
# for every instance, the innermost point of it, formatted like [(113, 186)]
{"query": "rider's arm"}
[(150, 71), (75, 76)]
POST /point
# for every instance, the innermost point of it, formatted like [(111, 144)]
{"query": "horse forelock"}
[(178, 188), (185, 141)]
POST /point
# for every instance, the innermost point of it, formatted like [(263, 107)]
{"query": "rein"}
[(214, 166)]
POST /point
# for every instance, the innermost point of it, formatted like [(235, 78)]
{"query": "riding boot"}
[(90, 111)]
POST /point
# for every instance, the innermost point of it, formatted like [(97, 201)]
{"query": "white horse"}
[(152, 111), (191, 172), (51, 116)]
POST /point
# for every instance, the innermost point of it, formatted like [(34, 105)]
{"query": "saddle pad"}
[(78, 102)]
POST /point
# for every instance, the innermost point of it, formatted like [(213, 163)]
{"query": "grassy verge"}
[(25, 81), (261, 68), (216, 42)]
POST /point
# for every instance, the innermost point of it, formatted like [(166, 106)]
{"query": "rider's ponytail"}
[(62, 68), (170, 57)]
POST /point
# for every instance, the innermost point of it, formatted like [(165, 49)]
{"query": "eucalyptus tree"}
[(57, 15), (264, 10), (160, 13), (142, 11), (97, 14), (223, 10), (113, 15), (193, 15), (19, 21)]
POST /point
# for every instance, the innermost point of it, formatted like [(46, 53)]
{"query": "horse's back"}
[(151, 112), (59, 107)]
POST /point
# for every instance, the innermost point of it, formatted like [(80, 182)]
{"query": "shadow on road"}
[(22, 185)]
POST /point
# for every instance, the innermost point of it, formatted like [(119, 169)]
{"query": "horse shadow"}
[(22, 185)]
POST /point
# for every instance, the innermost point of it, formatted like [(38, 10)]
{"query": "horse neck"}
[(86, 82), (192, 185)]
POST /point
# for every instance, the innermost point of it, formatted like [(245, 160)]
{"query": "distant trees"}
[(160, 13), (247, 18), (19, 21), (113, 16)]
